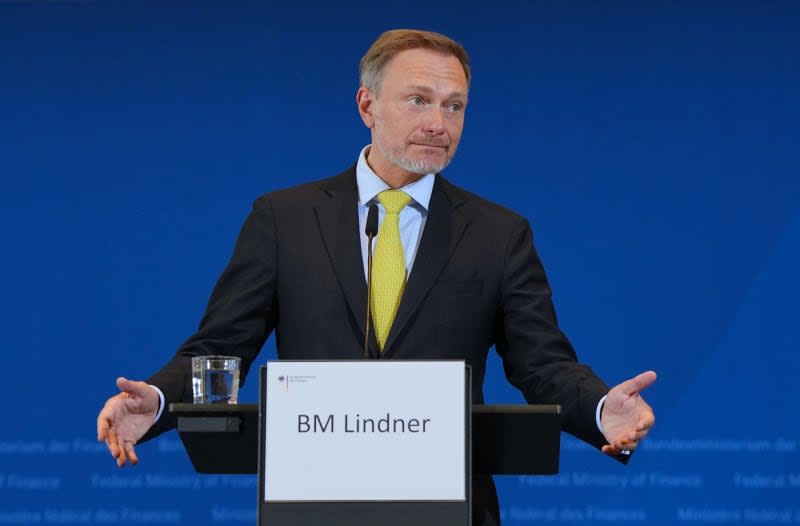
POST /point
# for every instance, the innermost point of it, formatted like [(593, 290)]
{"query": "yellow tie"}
[(388, 266)]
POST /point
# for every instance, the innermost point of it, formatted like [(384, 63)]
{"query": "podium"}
[(506, 439), (232, 439)]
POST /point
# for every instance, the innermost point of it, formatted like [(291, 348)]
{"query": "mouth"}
[(427, 145)]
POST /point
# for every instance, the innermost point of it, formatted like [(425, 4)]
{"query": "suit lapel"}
[(337, 216), (444, 227)]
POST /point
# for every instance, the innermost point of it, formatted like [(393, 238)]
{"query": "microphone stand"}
[(371, 230)]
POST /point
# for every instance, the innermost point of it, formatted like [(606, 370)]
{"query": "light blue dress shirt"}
[(412, 217)]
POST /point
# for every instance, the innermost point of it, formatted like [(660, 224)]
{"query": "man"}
[(473, 279)]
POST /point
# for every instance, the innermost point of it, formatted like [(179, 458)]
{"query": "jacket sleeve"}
[(240, 315), (537, 357)]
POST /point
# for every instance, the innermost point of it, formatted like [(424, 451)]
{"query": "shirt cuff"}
[(597, 413), (162, 403)]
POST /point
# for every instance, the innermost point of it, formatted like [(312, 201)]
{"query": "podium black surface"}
[(506, 439)]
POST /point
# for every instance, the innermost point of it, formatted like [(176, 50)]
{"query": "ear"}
[(364, 99)]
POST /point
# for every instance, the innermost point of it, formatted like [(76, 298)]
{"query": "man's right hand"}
[(125, 418)]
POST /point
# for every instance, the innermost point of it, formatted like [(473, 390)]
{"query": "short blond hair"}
[(390, 43)]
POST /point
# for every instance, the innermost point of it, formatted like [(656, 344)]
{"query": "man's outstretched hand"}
[(626, 417), (125, 418)]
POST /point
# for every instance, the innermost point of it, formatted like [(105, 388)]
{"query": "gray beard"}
[(415, 166)]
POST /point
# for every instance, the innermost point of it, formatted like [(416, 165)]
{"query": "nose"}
[(434, 121)]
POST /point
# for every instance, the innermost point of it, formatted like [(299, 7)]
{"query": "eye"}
[(455, 107), (417, 101)]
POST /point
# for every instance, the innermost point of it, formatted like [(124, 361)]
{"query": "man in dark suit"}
[(469, 277)]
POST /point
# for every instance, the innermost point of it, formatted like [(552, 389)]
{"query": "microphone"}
[(371, 231)]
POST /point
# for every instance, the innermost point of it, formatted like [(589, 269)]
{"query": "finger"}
[(105, 417), (624, 440), (610, 450), (632, 440), (111, 443), (646, 422), (116, 447), (122, 459), (638, 383), (102, 426), (131, 387), (131, 454)]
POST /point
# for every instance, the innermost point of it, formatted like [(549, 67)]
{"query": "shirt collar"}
[(370, 185)]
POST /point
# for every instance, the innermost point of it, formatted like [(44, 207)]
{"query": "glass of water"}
[(215, 379)]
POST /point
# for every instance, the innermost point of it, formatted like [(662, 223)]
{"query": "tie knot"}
[(394, 200)]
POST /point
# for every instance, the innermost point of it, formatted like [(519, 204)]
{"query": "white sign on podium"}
[(365, 431)]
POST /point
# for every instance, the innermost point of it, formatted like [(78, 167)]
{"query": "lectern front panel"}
[(321, 478)]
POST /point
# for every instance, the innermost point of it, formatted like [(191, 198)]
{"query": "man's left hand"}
[(626, 418)]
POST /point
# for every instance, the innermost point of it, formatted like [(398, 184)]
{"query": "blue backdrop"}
[(653, 146)]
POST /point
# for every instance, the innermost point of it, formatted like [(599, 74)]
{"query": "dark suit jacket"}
[(476, 282)]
